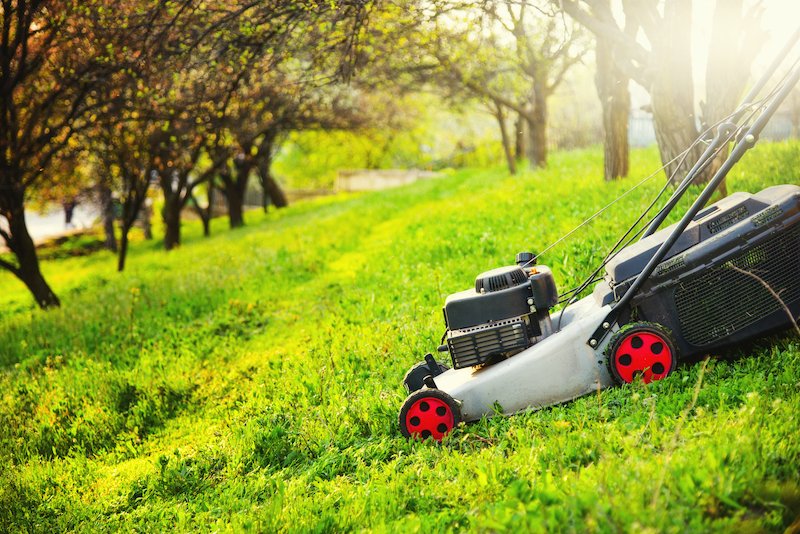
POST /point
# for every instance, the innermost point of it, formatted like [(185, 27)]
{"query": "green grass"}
[(249, 382)]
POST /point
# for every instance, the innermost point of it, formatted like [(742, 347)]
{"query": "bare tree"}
[(665, 68), (615, 98)]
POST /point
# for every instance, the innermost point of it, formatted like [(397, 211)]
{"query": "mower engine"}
[(507, 312)]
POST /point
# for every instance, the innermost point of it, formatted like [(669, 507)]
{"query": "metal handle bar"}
[(741, 147)]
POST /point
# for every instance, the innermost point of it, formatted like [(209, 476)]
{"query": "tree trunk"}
[(673, 121), (612, 88), (12, 206), (273, 189), (794, 111), (498, 114), (672, 91), (172, 221), (133, 206), (204, 214), (519, 138), (234, 197), (736, 38), (264, 167), (173, 204), (235, 204), (146, 213), (123, 248), (236, 186), (537, 130), (29, 271), (107, 214), (69, 210)]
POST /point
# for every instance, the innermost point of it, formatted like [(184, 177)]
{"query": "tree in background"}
[(460, 68), (105, 201), (310, 40), (191, 131), (545, 51), (264, 107), (270, 107), (665, 69), (615, 98), (51, 58), (54, 56), (121, 144), (507, 54)]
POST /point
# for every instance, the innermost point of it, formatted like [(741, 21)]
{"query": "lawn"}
[(250, 381)]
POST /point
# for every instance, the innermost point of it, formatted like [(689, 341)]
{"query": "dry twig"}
[(774, 294)]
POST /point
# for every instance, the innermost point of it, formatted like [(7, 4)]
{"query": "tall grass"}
[(251, 381)]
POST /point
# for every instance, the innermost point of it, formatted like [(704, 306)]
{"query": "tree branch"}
[(633, 49), (506, 102), (772, 292), (9, 267)]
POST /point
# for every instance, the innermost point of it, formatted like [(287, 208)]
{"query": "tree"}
[(507, 54), (488, 76), (206, 213), (269, 106), (665, 69), (192, 132), (262, 107), (119, 143), (545, 53), (105, 201), (50, 60), (615, 98), (54, 55), (226, 83)]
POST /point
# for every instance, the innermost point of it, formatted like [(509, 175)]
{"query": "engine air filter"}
[(474, 346)]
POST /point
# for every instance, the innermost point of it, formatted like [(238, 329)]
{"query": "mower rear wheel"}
[(428, 413), (641, 349), (414, 378)]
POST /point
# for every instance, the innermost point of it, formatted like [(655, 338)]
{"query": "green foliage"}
[(250, 382), (78, 244), (421, 132)]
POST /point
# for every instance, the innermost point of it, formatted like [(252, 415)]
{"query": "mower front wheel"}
[(428, 413)]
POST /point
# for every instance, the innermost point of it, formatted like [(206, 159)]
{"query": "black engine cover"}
[(505, 293), (469, 308)]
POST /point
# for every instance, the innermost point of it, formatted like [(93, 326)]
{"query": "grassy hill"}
[(249, 382)]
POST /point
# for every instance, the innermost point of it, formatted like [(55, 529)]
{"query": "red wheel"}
[(644, 349), (428, 413)]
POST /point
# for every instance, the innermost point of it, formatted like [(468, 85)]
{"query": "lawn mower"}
[(722, 274)]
